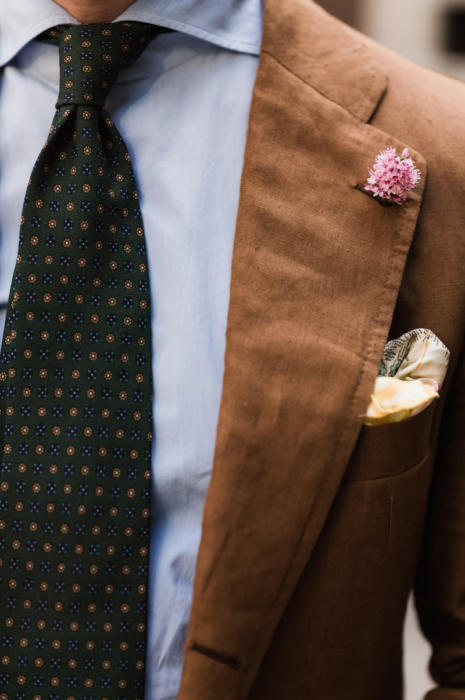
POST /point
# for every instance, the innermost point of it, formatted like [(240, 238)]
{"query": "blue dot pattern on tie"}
[(75, 400)]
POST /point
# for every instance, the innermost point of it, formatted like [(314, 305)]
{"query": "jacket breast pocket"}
[(391, 448)]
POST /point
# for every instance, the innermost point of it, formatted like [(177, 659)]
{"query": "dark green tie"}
[(76, 385)]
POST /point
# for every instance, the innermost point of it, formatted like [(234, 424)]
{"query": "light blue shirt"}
[(183, 111)]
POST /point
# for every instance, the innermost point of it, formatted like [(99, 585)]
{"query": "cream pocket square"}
[(411, 373)]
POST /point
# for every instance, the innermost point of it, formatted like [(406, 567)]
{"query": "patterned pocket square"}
[(411, 373)]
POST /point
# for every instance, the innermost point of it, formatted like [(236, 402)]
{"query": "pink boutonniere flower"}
[(393, 177)]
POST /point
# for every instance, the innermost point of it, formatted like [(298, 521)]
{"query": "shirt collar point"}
[(13, 44)]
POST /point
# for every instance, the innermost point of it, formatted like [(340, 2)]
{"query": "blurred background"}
[(430, 32)]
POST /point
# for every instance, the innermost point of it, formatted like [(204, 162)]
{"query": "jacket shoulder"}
[(430, 99), (351, 69)]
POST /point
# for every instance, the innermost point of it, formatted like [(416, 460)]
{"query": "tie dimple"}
[(91, 57)]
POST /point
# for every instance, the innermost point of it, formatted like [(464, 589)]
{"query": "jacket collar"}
[(324, 53)]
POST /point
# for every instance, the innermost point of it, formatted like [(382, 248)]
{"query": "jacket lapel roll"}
[(316, 270)]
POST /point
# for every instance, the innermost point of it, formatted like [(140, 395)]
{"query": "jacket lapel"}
[(316, 271)]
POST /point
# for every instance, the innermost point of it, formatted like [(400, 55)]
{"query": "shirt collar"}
[(231, 24)]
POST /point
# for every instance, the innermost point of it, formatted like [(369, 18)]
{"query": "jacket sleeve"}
[(439, 589)]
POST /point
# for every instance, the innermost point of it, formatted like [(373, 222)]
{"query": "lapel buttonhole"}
[(379, 200)]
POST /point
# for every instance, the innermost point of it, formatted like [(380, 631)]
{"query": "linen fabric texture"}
[(316, 528)]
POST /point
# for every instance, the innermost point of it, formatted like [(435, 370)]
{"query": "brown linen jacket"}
[(316, 527)]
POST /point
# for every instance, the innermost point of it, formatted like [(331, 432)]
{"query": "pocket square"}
[(411, 373)]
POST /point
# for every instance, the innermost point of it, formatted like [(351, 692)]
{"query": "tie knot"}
[(92, 55)]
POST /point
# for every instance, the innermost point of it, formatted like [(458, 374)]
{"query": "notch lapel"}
[(316, 270)]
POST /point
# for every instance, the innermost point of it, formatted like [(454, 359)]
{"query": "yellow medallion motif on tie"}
[(76, 400)]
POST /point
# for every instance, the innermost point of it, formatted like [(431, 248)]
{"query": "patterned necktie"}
[(75, 400)]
